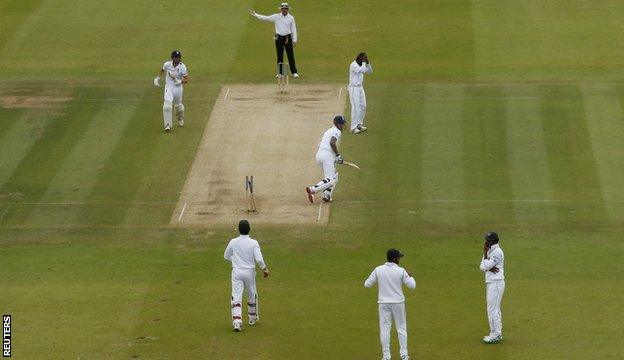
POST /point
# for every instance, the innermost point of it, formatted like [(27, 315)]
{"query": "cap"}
[(492, 237), (393, 254), (284, 6), (339, 119), (176, 54)]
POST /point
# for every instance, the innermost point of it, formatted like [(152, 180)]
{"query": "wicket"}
[(282, 77), (249, 194)]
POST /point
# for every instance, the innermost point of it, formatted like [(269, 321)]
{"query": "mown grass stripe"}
[(485, 167), (122, 175), (528, 163), (32, 176), (603, 109), (570, 157), (78, 173), (442, 154)]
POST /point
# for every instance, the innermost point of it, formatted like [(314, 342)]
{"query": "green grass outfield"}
[(503, 115)]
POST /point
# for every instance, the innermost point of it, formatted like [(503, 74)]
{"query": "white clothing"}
[(390, 277), (387, 312), (494, 287), (495, 257), (391, 300), (327, 161), (177, 72), (173, 94), (356, 73), (357, 97), (330, 133), (284, 25), (244, 252), (494, 295), (241, 279)]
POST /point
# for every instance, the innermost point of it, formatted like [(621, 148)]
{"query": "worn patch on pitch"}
[(254, 130)]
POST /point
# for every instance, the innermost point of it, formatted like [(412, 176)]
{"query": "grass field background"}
[(483, 115)]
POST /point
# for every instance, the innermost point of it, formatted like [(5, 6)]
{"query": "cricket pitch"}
[(254, 130)]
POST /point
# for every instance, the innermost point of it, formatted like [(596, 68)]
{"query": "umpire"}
[(285, 35)]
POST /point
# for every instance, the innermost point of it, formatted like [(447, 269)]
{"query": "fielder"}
[(177, 75), (327, 157), (391, 300), (244, 253), (492, 264), (357, 97)]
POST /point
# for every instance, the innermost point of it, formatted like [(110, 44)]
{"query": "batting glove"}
[(157, 81), (339, 159)]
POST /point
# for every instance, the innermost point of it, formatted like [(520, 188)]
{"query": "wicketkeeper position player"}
[(493, 264), (176, 75), (391, 300), (244, 253), (327, 157)]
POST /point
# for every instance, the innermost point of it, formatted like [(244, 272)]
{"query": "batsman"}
[(327, 157), (177, 75)]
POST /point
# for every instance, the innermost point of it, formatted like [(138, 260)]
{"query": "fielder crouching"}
[(244, 253), (327, 157)]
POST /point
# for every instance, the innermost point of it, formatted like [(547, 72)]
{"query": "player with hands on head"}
[(176, 76), (391, 301), (360, 66), (244, 253), (493, 264), (327, 157)]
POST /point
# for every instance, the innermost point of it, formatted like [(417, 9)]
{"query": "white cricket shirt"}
[(244, 252), (325, 141), (178, 72), (356, 73), (391, 278), (284, 25), (495, 258)]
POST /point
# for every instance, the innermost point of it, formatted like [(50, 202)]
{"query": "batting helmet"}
[(176, 54), (492, 237), (339, 119)]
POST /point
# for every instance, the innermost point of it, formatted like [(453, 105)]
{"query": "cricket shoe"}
[(492, 339), (362, 128), (253, 320), (356, 131), (327, 198), (295, 75), (181, 123), (404, 357), (310, 194), (167, 128), (238, 326)]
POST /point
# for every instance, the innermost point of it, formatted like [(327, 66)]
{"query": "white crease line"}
[(339, 93), (318, 218), (182, 212), (226, 94)]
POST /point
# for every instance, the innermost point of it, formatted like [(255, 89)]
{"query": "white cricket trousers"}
[(387, 312), (326, 160), (358, 105), (244, 279), (494, 295), (173, 98), (173, 94)]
